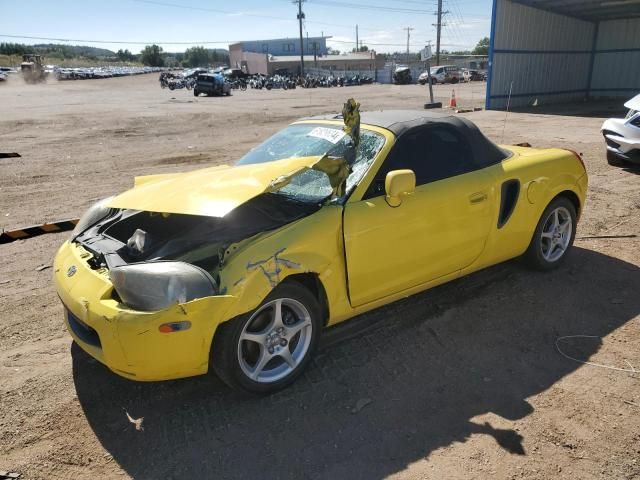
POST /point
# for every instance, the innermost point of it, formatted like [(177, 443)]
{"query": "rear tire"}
[(196, 93), (614, 160), (553, 236), (264, 351)]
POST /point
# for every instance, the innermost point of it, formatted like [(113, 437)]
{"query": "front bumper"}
[(622, 139), (127, 341)]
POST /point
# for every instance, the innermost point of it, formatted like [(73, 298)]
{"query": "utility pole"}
[(439, 26), (408, 29), (300, 18), (357, 44)]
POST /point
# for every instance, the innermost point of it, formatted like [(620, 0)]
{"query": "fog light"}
[(174, 327)]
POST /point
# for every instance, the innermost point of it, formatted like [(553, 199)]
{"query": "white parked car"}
[(442, 74), (623, 136)]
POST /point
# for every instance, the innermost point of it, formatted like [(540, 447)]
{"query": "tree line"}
[(151, 55), (481, 48), (154, 56)]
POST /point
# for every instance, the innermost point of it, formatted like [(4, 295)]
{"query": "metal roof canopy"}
[(589, 10)]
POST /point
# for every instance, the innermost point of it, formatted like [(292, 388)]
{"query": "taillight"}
[(579, 157)]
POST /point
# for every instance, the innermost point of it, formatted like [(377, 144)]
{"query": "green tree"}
[(152, 56), (196, 57), (125, 55), (14, 48), (482, 48)]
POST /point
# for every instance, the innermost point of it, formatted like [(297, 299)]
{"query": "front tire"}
[(554, 235), (267, 349)]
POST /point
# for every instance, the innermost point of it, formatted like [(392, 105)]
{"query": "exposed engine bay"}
[(130, 236)]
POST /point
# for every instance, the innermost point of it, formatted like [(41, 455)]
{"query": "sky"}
[(178, 24)]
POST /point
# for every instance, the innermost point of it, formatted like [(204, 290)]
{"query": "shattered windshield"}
[(310, 140)]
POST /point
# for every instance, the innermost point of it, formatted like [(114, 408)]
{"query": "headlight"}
[(93, 215), (156, 285)]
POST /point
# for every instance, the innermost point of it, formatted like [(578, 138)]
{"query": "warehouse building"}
[(241, 51), (339, 64), (252, 63), (557, 51), (282, 55)]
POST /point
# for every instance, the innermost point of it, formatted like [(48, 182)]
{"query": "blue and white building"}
[(283, 46)]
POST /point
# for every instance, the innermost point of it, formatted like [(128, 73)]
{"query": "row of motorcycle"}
[(177, 81), (335, 81), (308, 81)]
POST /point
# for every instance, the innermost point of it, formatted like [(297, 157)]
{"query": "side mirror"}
[(397, 184)]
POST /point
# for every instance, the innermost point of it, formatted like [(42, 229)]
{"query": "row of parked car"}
[(5, 72), (84, 73), (439, 74)]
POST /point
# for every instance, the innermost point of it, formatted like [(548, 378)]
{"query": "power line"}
[(197, 42), (227, 12), (116, 41), (362, 6), (206, 9)]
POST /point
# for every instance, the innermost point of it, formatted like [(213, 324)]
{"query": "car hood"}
[(214, 191), (634, 103)]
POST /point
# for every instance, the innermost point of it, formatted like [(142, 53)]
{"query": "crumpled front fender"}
[(311, 245)]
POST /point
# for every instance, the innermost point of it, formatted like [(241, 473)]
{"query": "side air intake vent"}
[(508, 199)]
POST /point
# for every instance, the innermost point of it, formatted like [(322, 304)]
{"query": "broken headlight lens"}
[(93, 215), (157, 285)]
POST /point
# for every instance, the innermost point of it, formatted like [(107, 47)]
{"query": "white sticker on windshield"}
[(332, 135)]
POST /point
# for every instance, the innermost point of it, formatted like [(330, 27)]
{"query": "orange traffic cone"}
[(452, 101)]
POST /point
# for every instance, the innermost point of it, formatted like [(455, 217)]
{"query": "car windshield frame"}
[(317, 139)]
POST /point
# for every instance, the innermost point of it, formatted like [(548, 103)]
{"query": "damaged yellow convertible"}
[(239, 268)]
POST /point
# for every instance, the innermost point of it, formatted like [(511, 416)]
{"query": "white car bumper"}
[(622, 137)]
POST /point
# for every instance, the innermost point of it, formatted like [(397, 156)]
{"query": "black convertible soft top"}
[(401, 121)]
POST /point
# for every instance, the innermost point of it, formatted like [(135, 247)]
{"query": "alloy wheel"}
[(275, 340), (556, 234)]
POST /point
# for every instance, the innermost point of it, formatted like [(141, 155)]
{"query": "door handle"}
[(477, 197)]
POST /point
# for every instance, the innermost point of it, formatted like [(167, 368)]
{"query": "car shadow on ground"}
[(385, 390), (631, 168)]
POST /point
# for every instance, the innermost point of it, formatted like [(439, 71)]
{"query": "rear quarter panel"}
[(543, 174)]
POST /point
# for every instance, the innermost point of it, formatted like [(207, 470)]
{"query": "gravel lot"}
[(463, 381)]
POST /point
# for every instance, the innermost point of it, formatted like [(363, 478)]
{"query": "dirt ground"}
[(463, 381)]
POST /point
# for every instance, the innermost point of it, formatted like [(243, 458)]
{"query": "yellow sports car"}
[(240, 268)]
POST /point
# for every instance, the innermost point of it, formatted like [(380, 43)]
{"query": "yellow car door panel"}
[(439, 229)]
